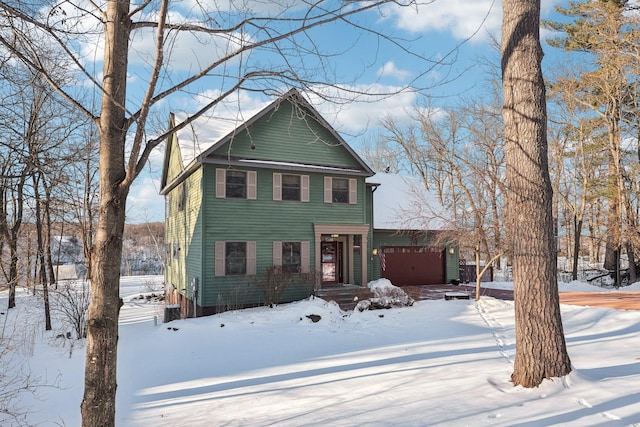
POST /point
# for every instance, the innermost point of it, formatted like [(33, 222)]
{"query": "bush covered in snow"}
[(386, 296)]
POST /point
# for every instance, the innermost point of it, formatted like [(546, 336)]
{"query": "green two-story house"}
[(272, 207)]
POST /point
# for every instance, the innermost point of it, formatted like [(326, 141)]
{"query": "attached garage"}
[(414, 265), (410, 244)]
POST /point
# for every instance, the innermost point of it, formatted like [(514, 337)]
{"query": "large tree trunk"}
[(540, 345), (98, 405)]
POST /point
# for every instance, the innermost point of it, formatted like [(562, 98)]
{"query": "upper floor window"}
[(340, 190), (291, 187), (236, 184)]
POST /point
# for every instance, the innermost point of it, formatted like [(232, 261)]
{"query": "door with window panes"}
[(332, 262)]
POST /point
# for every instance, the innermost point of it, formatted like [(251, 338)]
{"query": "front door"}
[(332, 262)]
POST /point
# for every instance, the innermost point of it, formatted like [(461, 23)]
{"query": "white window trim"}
[(353, 191), (305, 255), (220, 258), (328, 190), (221, 184), (277, 187)]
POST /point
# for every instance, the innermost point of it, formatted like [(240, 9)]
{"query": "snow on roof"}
[(215, 127), (298, 165), (402, 203), (207, 130)]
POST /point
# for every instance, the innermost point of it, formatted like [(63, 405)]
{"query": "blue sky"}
[(434, 29)]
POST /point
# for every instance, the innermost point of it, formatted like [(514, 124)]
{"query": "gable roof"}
[(402, 203), (205, 135)]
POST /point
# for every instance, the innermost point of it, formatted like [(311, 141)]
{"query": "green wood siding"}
[(184, 227), (264, 221), (284, 136), (452, 265), (289, 134), (175, 159)]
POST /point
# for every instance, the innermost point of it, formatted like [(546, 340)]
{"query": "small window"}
[(291, 257), (340, 190), (175, 251), (291, 186), (182, 197), (236, 185), (236, 258)]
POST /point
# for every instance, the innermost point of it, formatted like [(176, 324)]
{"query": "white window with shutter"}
[(290, 187), (277, 254), (305, 261), (236, 184), (353, 191), (304, 191), (293, 257), (221, 185), (328, 189), (252, 185), (277, 186), (340, 190), (220, 257), (251, 259), (235, 258)]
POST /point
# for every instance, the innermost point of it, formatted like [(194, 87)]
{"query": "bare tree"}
[(238, 39), (540, 345), (577, 169), (458, 154), (608, 91)]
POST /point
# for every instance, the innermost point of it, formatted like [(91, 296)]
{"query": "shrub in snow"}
[(72, 302), (386, 296)]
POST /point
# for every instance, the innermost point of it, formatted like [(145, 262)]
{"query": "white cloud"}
[(364, 111), (144, 202), (389, 69), (461, 18)]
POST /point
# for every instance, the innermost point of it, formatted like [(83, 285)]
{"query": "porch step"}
[(346, 296)]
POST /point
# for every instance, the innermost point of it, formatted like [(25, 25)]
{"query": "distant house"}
[(249, 204), (68, 272)]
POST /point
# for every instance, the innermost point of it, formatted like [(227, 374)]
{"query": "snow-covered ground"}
[(434, 363)]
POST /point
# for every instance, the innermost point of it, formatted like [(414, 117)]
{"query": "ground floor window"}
[(235, 258), (291, 257)]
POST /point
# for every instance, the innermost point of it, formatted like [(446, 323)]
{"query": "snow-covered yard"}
[(433, 363)]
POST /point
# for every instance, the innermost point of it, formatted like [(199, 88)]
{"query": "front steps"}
[(346, 296)]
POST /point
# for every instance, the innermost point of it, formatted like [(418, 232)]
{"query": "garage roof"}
[(402, 203)]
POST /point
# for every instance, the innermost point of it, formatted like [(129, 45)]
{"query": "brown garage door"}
[(414, 265)]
